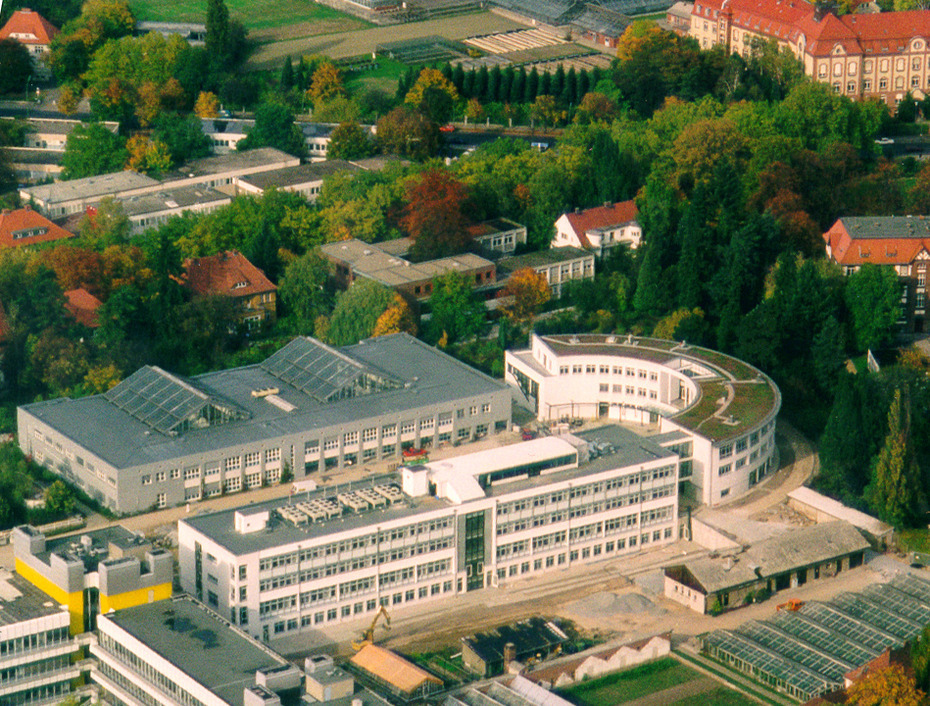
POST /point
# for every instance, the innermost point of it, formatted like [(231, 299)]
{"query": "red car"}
[(447, 128)]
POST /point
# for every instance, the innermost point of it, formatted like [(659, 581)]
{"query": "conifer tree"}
[(895, 493), (287, 75)]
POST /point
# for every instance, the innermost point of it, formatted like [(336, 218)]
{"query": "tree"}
[(920, 659), (349, 140), (530, 291), (397, 318), (182, 136), (433, 216), (59, 499), (326, 83), (357, 311), (303, 290), (895, 493), (287, 74), (207, 105), (407, 132), (891, 686), (595, 107), (873, 295), (217, 39), (433, 93), (15, 66), (91, 150), (274, 127), (106, 225), (457, 314), (69, 98), (149, 156), (677, 325)]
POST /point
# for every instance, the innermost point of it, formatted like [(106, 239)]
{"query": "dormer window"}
[(240, 285), (29, 233)]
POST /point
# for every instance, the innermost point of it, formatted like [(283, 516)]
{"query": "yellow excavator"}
[(368, 637)]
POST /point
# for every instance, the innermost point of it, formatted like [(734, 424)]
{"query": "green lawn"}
[(254, 14), (385, 77), (631, 684), (721, 696)]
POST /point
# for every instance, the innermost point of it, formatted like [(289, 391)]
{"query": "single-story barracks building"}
[(717, 412), (157, 439)]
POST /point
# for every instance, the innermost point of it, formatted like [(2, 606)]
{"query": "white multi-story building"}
[(718, 412), (35, 645), (445, 528)]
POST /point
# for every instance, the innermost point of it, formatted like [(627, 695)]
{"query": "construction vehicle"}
[(792, 604), (368, 637)]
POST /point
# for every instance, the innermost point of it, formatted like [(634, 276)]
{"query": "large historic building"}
[(717, 412), (158, 440), (901, 242), (881, 55)]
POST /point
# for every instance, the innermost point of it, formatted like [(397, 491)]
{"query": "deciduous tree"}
[(274, 127), (357, 311), (15, 66), (91, 150), (59, 499), (350, 141), (207, 105), (433, 216), (457, 314), (891, 686), (407, 132), (530, 291), (873, 295), (326, 83), (397, 318)]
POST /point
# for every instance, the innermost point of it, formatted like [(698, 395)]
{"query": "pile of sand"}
[(606, 605)]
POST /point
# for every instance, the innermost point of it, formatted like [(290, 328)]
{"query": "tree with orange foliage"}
[(397, 318), (147, 155), (326, 83), (433, 216), (891, 686), (74, 267), (529, 290)]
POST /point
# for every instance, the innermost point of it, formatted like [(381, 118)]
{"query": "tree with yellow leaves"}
[(397, 318), (430, 78), (529, 290), (892, 686), (146, 155), (326, 83), (207, 105)]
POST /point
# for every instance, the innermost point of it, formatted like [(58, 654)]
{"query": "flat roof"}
[(199, 643), (89, 187), (629, 450), (552, 256), (301, 174), (222, 163), (371, 261), (430, 377), (20, 600), (169, 199), (811, 497), (97, 546)]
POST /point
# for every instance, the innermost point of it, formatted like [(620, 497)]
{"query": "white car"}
[(884, 141)]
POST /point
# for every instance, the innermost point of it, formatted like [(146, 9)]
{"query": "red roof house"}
[(83, 306), (231, 274), (599, 228), (901, 242), (29, 27), (24, 227)]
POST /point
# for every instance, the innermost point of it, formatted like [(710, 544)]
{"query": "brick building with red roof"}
[(599, 228), (231, 274), (24, 227), (881, 55), (901, 242), (35, 32)]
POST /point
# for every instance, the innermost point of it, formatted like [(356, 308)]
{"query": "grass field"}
[(254, 14), (384, 77), (721, 696), (631, 684)]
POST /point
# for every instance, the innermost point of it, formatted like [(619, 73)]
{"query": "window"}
[(311, 448), (189, 474), (161, 500), (350, 437), (370, 434), (408, 428), (486, 408), (590, 369), (146, 480), (726, 450), (272, 455), (389, 430), (604, 387), (724, 469), (253, 459)]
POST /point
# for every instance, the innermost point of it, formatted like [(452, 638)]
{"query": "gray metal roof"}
[(124, 441), (199, 643), (234, 161), (806, 546), (887, 226), (20, 600), (170, 199)]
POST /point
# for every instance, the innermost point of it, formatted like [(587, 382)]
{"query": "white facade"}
[(724, 407), (489, 520), (600, 238)]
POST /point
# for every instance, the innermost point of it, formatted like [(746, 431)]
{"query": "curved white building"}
[(717, 412)]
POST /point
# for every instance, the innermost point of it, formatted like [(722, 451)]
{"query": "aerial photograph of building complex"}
[(464, 352)]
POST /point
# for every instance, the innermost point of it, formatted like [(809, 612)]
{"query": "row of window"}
[(593, 369)]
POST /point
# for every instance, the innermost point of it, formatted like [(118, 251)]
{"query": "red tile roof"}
[(83, 306), (226, 273), (14, 226), (881, 241), (601, 217), (29, 27)]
